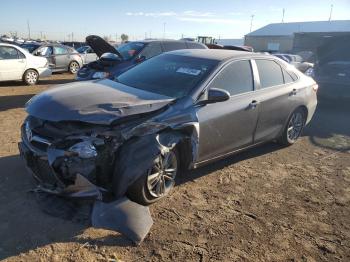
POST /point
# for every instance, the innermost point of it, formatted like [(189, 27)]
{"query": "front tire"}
[(158, 181), (31, 77), (73, 67), (294, 127)]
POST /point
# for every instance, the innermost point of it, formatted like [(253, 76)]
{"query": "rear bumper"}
[(44, 72)]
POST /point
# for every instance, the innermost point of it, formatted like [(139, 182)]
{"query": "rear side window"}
[(151, 50), (287, 77), (170, 46), (195, 45), (236, 78), (44, 51), (270, 73), (58, 50), (8, 53)]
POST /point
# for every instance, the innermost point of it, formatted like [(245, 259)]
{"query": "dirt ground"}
[(266, 204)]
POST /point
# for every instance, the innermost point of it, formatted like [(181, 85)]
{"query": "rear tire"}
[(31, 77), (293, 128), (158, 181), (73, 67)]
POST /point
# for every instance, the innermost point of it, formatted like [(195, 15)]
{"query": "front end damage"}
[(75, 159)]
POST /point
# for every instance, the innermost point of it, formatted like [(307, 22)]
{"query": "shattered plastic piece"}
[(82, 188), (129, 218)]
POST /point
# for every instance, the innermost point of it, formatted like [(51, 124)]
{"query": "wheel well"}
[(304, 108), (184, 150)]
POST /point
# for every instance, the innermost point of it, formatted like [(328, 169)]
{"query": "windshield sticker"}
[(188, 71)]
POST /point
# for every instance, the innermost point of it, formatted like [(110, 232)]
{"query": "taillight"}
[(315, 87)]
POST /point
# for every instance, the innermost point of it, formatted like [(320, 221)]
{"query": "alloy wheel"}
[(31, 77), (295, 126), (74, 67), (161, 177)]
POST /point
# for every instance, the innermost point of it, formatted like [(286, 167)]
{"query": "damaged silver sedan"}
[(130, 137)]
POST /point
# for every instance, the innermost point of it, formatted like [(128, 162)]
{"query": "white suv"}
[(17, 64)]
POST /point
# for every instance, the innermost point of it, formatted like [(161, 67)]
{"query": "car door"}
[(276, 93), (228, 126), (12, 63), (61, 57)]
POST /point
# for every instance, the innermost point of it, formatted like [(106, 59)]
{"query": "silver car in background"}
[(61, 58), (88, 54)]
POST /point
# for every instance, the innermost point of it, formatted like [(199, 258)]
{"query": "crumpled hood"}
[(98, 102)]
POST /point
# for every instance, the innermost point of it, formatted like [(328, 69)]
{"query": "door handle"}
[(254, 104), (294, 92), (21, 61)]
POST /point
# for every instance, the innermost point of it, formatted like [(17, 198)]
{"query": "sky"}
[(58, 19)]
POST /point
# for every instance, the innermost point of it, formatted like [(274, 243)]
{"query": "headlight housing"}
[(100, 75), (84, 149), (310, 72)]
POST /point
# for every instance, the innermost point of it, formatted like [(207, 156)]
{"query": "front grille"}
[(44, 172)]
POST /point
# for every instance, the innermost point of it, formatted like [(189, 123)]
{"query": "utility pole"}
[(283, 11), (28, 29), (251, 23), (330, 14), (116, 37), (164, 24), (72, 36)]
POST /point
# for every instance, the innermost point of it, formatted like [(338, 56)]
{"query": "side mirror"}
[(110, 57), (217, 95)]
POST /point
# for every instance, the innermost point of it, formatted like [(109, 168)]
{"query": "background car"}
[(295, 60), (332, 70), (61, 58), (114, 61), (30, 46), (18, 64), (87, 53)]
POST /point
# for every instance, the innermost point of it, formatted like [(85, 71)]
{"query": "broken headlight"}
[(84, 149)]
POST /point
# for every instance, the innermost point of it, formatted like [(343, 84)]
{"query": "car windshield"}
[(82, 49), (130, 50), (170, 75)]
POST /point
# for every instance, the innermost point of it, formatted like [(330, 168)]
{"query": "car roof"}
[(217, 54), (163, 40), (6, 44)]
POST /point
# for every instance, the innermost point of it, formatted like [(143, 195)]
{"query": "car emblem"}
[(28, 131)]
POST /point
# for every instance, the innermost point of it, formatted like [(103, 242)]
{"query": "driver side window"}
[(236, 78)]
